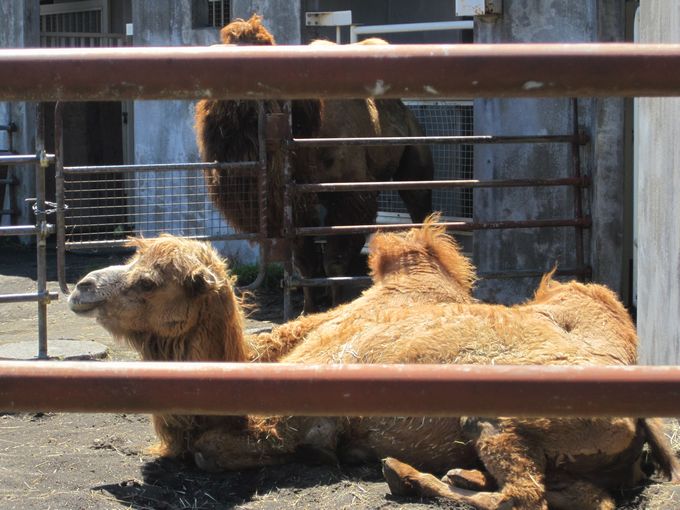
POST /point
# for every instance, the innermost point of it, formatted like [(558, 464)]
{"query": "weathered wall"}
[(531, 249), (658, 205), (19, 29), (281, 18), (164, 129)]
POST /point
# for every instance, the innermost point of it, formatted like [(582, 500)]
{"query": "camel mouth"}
[(82, 308)]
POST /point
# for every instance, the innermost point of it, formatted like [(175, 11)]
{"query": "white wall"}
[(164, 133), (659, 202)]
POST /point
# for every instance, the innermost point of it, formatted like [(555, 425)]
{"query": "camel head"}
[(172, 300), (251, 32), (419, 252)]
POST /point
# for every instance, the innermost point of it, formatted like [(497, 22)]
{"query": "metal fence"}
[(103, 205), (41, 230), (531, 70)]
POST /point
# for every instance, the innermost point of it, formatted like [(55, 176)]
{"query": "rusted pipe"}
[(245, 166), (112, 243), (450, 225), (300, 72), (261, 199), (20, 159), (439, 184), (435, 140), (576, 173), (327, 390), (60, 196), (28, 297), (363, 281)]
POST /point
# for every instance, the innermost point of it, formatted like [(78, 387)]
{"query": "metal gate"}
[(587, 70), (91, 200)]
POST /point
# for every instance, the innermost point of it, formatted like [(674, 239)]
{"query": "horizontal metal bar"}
[(18, 230), (19, 159), (530, 273), (9, 180), (8, 127), (300, 72), (450, 225), (460, 183), (339, 390), (112, 243), (325, 282), (29, 297), (366, 280), (162, 167), (398, 28), (434, 140)]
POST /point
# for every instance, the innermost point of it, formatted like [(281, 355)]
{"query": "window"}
[(218, 13)]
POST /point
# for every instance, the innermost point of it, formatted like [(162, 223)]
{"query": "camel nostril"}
[(86, 284)]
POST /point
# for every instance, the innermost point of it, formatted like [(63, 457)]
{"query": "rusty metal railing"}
[(41, 230), (339, 390), (470, 70), (301, 72), (258, 167), (580, 221)]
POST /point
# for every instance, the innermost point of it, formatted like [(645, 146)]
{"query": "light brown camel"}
[(227, 131), (185, 288)]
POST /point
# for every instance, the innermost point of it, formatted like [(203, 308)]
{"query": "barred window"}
[(218, 13), (210, 13)]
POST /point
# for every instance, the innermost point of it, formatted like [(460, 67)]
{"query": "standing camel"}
[(227, 131)]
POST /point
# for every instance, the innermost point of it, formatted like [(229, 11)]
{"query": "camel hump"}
[(662, 452)]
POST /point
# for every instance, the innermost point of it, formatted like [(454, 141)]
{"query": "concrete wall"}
[(19, 29), (164, 129), (531, 249), (658, 205), (281, 18)]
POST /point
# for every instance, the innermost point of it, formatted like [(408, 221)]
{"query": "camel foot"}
[(405, 480), (204, 463), (471, 479)]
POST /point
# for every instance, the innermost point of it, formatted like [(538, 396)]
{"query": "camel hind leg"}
[(571, 493), (405, 480), (416, 165)]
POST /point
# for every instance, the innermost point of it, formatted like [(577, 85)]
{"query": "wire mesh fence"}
[(443, 118), (106, 208)]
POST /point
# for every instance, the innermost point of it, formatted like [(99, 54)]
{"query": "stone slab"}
[(56, 349)]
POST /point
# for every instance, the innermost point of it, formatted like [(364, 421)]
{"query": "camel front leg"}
[(225, 450), (405, 480), (513, 460)]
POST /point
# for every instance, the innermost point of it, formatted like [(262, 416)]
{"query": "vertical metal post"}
[(578, 200), (61, 206), (261, 196), (288, 222), (42, 232)]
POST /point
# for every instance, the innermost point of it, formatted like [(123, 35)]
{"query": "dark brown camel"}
[(227, 131)]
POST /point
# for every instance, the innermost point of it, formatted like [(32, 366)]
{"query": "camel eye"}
[(146, 284)]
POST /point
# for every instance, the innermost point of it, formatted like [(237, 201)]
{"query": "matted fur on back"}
[(417, 249)]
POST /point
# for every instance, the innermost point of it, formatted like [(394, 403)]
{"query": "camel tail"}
[(661, 449)]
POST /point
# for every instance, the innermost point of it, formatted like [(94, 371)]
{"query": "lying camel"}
[(228, 131), (185, 287)]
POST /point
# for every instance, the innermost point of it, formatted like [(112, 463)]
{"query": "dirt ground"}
[(99, 461)]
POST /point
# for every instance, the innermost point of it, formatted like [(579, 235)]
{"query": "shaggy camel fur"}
[(227, 131), (185, 287)]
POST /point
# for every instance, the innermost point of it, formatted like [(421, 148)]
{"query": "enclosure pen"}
[(425, 72), (41, 231)]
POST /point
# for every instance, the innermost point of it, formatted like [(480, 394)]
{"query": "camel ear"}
[(200, 282)]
